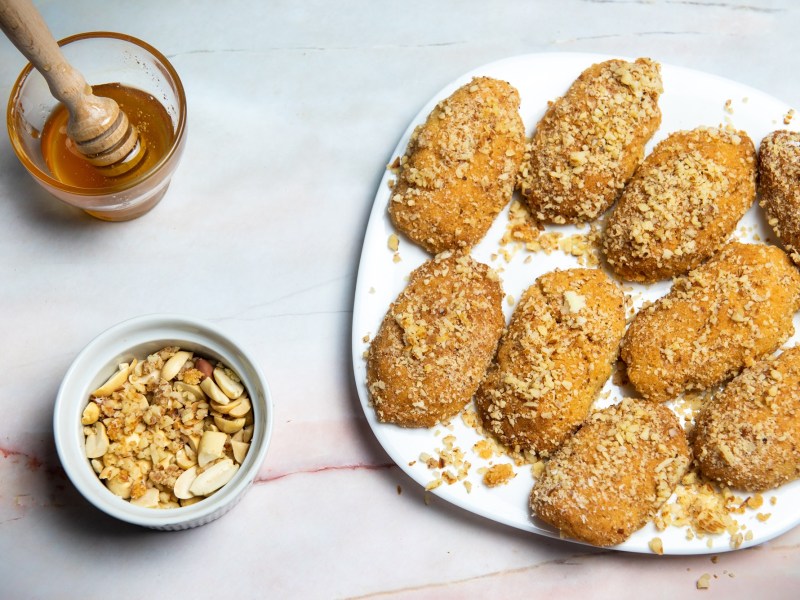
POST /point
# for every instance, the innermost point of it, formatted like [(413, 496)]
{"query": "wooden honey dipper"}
[(101, 132)]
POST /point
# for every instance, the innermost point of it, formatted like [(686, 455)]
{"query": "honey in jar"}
[(144, 112)]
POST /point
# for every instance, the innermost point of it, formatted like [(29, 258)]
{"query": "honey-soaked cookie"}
[(461, 167), (612, 476), (779, 187), (681, 205), (557, 353), (748, 435), (435, 342), (718, 319), (591, 140)]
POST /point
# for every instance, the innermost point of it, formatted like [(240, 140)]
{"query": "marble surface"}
[(294, 109)]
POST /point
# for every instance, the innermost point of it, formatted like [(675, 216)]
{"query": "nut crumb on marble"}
[(704, 582)]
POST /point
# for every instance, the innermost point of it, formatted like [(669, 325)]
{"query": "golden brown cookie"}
[(748, 435), (590, 141), (435, 342), (715, 321), (681, 205), (779, 187), (556, 355), (460, 168), (613, 475)]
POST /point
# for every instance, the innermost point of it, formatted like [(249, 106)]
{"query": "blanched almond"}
[(148, 500), (183, 460), (242, 408), (211, 445), (191, 454), (90, 414), (116, 380), (194, 391), (212, 391), (119, 487), (225, 408), (214, 477), (247, 433), (97, 441), (184, 482), (230, 387), (239, 450), (174, 364), (228, 425)]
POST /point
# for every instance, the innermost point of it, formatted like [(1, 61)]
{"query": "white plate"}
[(690, 99)]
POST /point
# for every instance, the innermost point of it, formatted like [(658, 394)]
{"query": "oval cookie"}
[(590, 141), (460, 168), (718, 319), (748, 435), (779, 186), (558, 352), (613, 475), (435, 342), (681, 205)]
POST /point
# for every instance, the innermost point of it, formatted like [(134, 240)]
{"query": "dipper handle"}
[(100, 130), (26, 29)]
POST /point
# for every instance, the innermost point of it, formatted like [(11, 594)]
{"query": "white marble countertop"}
[(318, 94)]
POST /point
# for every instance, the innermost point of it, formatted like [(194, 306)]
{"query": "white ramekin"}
[(139, 337)]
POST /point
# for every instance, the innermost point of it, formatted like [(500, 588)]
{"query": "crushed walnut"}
[(498, 475)]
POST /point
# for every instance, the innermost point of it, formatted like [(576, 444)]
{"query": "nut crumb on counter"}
[(704, 582)]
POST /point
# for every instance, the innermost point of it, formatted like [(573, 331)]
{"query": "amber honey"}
[(144, 112)]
